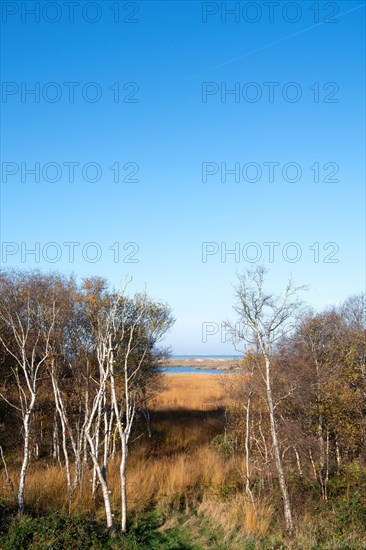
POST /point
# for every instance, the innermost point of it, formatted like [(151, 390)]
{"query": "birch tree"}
[(138, 325), (100, 309), (27, 313), (265, 321), (93, 354), (125, 334)]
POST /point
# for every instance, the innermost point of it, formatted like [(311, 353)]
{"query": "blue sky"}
[(180, 58)]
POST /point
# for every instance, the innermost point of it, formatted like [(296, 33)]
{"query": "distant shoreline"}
[(206, 356), (205, 362)]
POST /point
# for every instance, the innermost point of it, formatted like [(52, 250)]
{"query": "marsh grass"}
[(176, 463), (196, 489)]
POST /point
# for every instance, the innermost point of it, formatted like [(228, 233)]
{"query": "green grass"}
[(339, 524), (60, 531)]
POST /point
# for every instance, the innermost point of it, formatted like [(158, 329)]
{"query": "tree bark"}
[(277, 454), (25, 463), (123, 485), (301, 474), (103, 484), (247, 466)]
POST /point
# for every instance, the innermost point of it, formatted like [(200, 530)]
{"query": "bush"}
[(56, 532), (225, 445), (61, 531)]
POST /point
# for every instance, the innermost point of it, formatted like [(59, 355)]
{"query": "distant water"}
[(194, 370), (206, 356)]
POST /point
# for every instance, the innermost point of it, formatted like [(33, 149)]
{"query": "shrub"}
[(61, 531), (225, 445)]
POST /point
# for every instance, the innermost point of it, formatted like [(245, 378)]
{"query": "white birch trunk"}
[(276, 449), (247, 465), (103, 483), (25, 462), (123, 485)]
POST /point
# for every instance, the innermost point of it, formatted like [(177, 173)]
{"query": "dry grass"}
[(190, 391), (172, 480), (177, 467), (239, 514)]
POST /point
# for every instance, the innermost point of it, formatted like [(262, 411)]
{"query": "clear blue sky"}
[(170, 131)]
